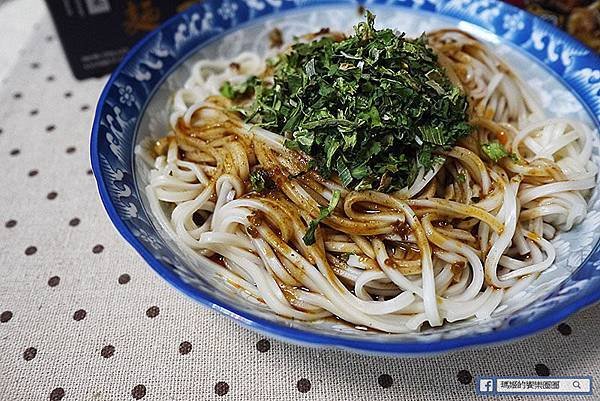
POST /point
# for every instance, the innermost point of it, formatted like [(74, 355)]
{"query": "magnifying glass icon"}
[(576, 384)]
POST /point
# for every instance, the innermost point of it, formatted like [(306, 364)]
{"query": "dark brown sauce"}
[(411, 250), (218, 259), (366, 208), (256, 218), (336, 36), (197, 219), (457, 269), (275, 38), (402, 228), (252, 231)]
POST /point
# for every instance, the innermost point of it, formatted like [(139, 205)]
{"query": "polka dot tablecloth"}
[(83, 318)]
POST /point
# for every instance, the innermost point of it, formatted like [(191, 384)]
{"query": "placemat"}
[(83, 318)]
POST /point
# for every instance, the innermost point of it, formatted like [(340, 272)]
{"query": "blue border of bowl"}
[(298, 336)]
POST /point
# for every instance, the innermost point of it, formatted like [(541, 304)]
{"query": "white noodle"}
[(388, 279)]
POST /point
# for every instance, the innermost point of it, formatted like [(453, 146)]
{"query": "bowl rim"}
[(294, 334)]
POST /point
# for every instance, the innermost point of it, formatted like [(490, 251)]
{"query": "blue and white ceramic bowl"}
[(133, 107)]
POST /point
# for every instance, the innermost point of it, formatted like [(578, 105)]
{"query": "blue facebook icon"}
[(486, 385)]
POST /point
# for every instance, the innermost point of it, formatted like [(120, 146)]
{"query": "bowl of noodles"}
[(412, 178)]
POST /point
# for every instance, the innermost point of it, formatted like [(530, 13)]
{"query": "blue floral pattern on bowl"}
[(148, 66)]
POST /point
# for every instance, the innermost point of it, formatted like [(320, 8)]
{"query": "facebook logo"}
[(486, 385)]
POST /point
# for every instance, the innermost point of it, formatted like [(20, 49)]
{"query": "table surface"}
[(18, 18), (82, 317)]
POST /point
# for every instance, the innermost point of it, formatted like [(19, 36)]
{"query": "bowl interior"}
[(201, 280)]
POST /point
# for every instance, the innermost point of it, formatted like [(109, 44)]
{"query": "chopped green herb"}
[(240, 90), (461, 178), (227, 90), (495, 151), (260, 180), (309, 237), (371, 108)]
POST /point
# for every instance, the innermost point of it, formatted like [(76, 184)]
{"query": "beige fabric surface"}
[(45, 119)]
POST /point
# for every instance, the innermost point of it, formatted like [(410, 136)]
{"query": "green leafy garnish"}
[(309, 236), (371, 108), (260, 181), (227, 90), (240, 90), (495, 151), (461, 177)]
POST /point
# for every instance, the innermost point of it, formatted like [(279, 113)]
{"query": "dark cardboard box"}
[(96, 34)]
